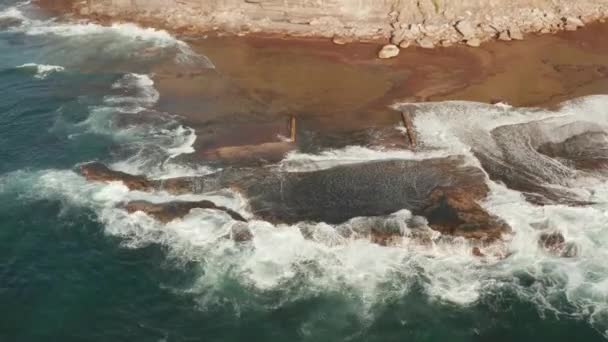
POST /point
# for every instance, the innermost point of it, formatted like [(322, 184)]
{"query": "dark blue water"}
[(74, 269)]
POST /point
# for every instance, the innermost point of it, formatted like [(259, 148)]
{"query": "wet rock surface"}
[(9, 22), (98, 172), (555, 243), (169, 211), (585, 151), (445, 191)]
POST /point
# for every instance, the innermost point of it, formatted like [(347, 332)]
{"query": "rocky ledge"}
[(425, 23)]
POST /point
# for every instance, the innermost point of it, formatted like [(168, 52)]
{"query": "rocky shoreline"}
[(402, 23)]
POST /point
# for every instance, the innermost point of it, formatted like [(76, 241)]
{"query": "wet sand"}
[(334, 89)]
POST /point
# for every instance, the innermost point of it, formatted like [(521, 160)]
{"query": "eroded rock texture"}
[(423, 22), (444, 191)]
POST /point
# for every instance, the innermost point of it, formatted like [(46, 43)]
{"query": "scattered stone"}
[(465, 28), (515, 33), (574, 22), (425, 43), (477, 252), (474, 42), (504, 35), (388, 51), (341, 40), (446, 43)]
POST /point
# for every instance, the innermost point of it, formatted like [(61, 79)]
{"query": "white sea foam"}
[(115, 39), (279, 254), (42, 70), (141, 93), (298, 161)]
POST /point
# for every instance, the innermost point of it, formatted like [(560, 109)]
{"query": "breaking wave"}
[(116, 39), (302, 259), (42, 70)]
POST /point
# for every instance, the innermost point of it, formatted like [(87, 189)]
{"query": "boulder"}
[(404, 44), (388, 51), (466, 29), (504, 35), (515, 33), (240, 232), (456, 212), (341, 40), (425, 43), (555, 243), (476, 251), (474, 42), (573, 23)]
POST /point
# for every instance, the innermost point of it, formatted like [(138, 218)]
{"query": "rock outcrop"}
[(444, 191), (555, 243), (425, 22), (169, 211)]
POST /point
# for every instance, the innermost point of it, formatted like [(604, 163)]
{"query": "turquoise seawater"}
[(72, 268)]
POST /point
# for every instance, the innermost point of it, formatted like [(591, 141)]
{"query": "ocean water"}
[(74, 267)]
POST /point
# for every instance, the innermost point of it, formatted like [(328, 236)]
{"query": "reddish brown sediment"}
[(343, 88), (263, 78)]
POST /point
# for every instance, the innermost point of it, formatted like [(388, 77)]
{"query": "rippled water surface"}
[(74, 267)]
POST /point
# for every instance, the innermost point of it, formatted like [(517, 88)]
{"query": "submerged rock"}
[(476, 251), (555, 243), (239, 232), (8, 22)]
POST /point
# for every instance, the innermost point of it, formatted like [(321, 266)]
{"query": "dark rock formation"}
[(98, 172), (456, 211), (169, 211), (587, 151), (239, 232), (9, 22), (444, 190), (555, 243)]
